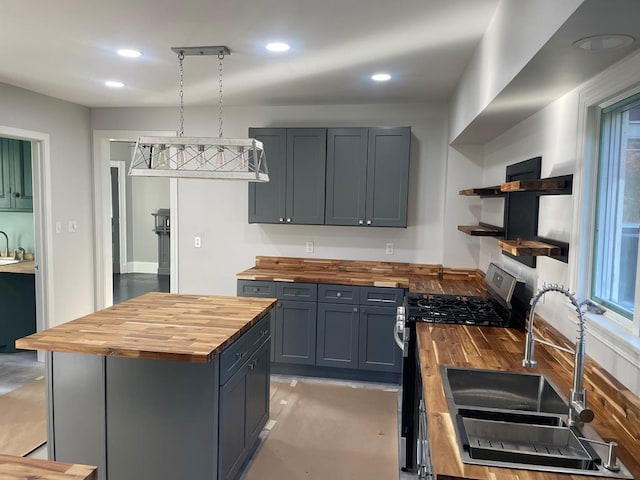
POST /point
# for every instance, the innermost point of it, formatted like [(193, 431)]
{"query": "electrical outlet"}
[(197, 242), (309, 247), (58, 227), (389, 249)]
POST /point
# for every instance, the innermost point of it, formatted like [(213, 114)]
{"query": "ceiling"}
[(336, 45)]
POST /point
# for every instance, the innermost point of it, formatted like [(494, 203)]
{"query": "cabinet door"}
[(258, 393), (232, 424), (22, 178), (295, 332), (377, 349), (306, 164), (388, 176), (6, 153), (346, 176), (337, 335), (267, 200)]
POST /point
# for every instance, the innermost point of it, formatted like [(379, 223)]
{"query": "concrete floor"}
[(130, 285)]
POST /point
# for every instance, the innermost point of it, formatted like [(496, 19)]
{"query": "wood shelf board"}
[(541, 185), (531, 248), (481, 230), (482, 192)]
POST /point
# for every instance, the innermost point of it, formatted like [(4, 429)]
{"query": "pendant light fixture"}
[(200, 157)]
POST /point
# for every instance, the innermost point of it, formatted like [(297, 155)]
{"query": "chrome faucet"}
[(578, 411), (7, 240)]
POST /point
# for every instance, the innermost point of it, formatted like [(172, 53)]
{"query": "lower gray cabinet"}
[(295, 332), (244, 409), (337, 342), (377, 349)]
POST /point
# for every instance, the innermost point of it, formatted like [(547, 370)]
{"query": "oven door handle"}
[(397, 328)]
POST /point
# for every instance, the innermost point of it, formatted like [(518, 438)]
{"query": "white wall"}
[(554, 134), (217, 210), (516, 32), (72, 253)]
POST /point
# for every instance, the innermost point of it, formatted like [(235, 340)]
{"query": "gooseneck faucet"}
[(578, 411), (7, 241)]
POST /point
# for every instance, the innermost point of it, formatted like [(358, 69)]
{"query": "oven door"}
[(409, 401)]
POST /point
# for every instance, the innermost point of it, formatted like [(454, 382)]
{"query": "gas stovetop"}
[(452, 309)]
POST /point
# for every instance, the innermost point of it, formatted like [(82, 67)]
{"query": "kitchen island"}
[(18, 300), (18, 468), (162, 386), (617, 411)]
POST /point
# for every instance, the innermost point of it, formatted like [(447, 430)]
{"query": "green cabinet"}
[(244, 398), (18, 300), (16, 188), (296, 188), (367, 176)]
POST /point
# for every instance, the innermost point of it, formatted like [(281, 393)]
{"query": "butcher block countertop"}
[(616, 409), (28, 267), (162, 326), (18, 468), (348, 272)]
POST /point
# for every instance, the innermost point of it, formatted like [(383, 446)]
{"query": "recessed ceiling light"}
[(604, 42), (129, 53), (114, 84), (381, 77), (278, 47)]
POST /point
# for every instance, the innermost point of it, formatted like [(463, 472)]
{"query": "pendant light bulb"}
[(182, 156), (241, 158), (162, 156), (202, 158), (220, 157)]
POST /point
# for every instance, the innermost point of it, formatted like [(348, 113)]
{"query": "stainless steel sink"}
[(7, 261), (519, 420), (504, 390)]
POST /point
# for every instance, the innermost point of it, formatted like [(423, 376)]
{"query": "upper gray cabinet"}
[(366, 181), (16, 189), (368, 176), (296, 188)]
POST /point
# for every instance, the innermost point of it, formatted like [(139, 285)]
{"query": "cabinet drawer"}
[(381, 296), (338, 294), (233, 358), (305, 292), (254, 288), (260, 332)]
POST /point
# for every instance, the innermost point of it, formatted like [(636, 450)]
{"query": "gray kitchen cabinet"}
[(295, 334), (257, 288), (337, 337), (296, 159), (244, 402), (377, 349), (267, 201), (367, 176), (18, 300), (16, 188)]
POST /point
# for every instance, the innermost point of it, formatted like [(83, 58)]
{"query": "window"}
[(617, 222)]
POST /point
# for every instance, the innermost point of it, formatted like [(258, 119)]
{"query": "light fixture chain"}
[(181, 62), (220, 58)]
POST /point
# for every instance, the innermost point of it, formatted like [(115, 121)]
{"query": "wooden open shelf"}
[(482, 230), (554, 185), (529, 248), (482, 192)]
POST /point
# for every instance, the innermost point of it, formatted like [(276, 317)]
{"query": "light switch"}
[(309, 247), (58, 227), (72, 226), (197, 242), (389, 249)]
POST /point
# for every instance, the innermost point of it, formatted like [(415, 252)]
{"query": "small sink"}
[(520, 443), (8, 261), (503, 390)]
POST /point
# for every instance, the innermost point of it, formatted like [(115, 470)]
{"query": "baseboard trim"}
[(142, 267)]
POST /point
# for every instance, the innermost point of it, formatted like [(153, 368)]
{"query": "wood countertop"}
[(18, 468), (350, 272), (27, 266), (162, 326), (617, 410)]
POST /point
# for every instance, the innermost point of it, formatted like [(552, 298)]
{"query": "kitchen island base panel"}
[(140, 419), (335, 373)]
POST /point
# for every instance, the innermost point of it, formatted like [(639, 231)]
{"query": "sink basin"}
[(503, 390), (8, 261), (520, 443)]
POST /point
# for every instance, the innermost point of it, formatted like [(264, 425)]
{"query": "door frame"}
[(42, 220), (122, 206), (102, 212)]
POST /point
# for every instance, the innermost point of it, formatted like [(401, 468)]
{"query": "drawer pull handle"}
[(282, 219), (360, 222), (381, 300), (355, 309), (368, 222), (338, 294)]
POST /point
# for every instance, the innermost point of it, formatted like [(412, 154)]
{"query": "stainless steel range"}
[(504, 306)]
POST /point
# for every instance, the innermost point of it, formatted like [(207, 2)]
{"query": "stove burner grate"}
[(452, 309)]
